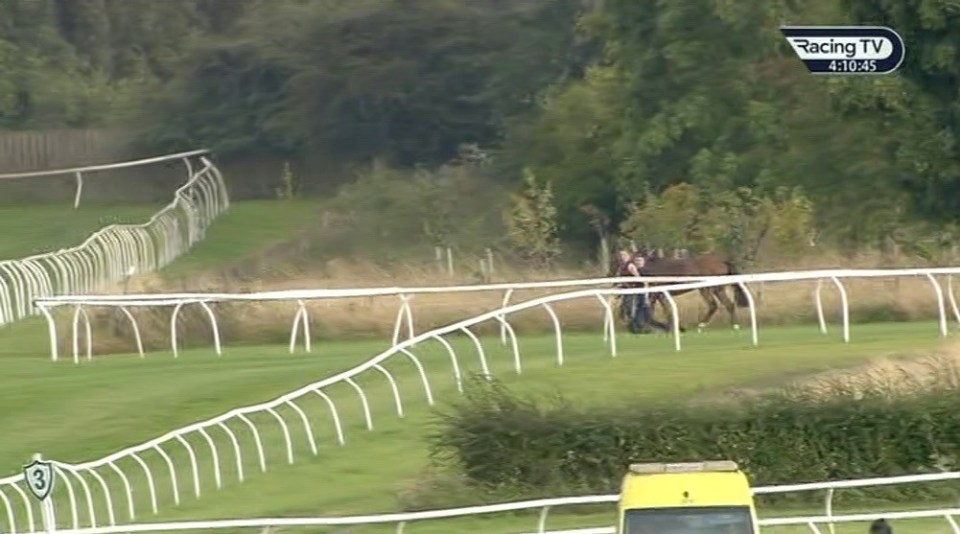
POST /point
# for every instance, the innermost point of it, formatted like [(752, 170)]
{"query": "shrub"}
[(503, 442)]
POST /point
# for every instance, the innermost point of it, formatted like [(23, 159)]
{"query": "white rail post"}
[(829, 509), (845, 308), (408, 311), (953, 523), (52, 331), (76, 198), (557, 332), (401, 315), (753, 314), (542, 523), (675, 319), (941, 308), (186, 161), (818, 298), (503, 304), (953, 299), (301, 320)]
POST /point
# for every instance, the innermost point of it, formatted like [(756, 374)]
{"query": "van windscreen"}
[(702, 520)]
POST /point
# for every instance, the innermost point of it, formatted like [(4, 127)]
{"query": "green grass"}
[(34, 229), (75, 413), (78, 413), (246, 229)]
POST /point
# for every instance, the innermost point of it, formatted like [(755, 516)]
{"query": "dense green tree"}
[(79, 62), (927, 111), (407, 82), (611, 102), (572, 143)]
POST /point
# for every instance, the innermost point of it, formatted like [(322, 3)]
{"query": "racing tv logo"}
[(846, 49)]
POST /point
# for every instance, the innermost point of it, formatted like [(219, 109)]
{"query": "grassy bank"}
[(26, 230), (74, 413)]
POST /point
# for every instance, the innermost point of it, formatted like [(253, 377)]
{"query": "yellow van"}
[(711, 497)]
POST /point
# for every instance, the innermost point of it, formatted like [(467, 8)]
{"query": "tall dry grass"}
[(779, 303), (893, 376)]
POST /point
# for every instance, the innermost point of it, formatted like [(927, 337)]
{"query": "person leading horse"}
[(638, 308), (706, 265)]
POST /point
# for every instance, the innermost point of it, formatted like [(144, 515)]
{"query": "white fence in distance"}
[(301, 318), (210, 452), (120, 250)]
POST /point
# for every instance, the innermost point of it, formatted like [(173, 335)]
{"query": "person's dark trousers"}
[(643, 316), (626, 308)]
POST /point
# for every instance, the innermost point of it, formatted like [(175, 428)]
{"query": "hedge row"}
[(501, 441)]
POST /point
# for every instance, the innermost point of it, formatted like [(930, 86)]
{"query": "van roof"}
[(719, 483), (684, 467)]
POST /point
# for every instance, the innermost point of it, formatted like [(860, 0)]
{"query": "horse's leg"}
[(664, 326), (712, 306), (721, 293), (667, 313), (651, 319)]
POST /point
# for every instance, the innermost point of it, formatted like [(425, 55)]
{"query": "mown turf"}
[(244, 230), (247, 228), (74, 413), (33, 229)]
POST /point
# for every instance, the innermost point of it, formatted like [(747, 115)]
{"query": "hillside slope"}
[(245, 229)]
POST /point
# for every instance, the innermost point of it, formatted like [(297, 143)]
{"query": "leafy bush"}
[(738, 222), (502, 442), (531, 221), (392, 210)]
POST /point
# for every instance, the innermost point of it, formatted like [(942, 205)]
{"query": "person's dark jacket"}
[(880, 526)]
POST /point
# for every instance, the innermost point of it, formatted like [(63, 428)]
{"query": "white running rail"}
[(301, 318), (208, 452), (119, 250), (400, 520)]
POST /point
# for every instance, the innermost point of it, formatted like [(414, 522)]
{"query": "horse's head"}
[(646, 254)]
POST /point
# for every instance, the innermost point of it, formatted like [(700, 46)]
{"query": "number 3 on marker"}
[(39, 480)]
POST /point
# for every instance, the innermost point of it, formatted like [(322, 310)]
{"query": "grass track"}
[(77, 413), (34, 229), (246, 229)]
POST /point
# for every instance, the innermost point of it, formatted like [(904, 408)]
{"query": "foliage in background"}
[(389, 211), (610, 102), (406, 83), (531, 221), (738, 222), (927, 152), (501, 442), (69, 63)]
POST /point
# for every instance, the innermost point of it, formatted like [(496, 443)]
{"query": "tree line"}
[(635, 112)]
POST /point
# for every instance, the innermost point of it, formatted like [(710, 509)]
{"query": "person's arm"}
[(632, 269)]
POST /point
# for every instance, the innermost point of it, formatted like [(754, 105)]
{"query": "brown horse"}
[(697, 266)]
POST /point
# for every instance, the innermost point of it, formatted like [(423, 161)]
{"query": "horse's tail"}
[(739, 294)]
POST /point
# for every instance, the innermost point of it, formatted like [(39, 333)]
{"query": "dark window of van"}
[(693, 520)]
